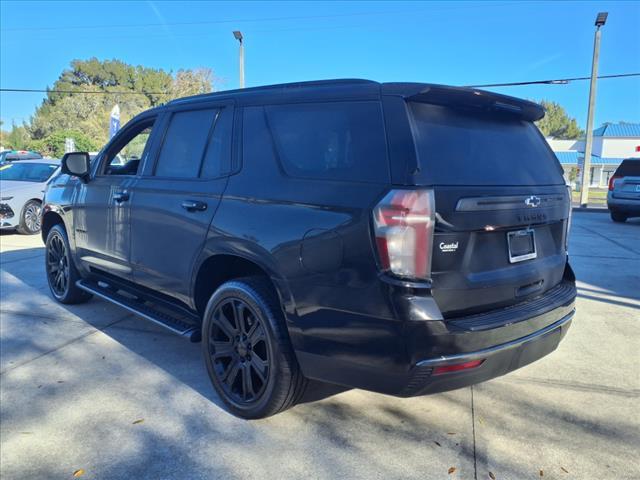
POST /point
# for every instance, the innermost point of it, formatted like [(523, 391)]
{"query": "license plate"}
[(522, 245)]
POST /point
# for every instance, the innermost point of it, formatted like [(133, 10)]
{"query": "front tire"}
[(618, 217), (62, 274), (30, 218), (247, 350)]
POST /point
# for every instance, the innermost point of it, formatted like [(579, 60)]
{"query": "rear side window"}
[(628, 168), (184, 144), (218, 153), (337, 141), (468, 148)]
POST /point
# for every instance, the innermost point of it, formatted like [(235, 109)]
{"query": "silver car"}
[(22, 186), (623, 199)]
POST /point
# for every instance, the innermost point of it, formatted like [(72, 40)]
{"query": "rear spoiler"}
[(465, 98)]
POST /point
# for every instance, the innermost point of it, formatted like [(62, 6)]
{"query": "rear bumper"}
[(623, 205), (496, 361), (504, 339)]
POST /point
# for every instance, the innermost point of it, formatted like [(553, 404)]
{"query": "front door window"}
[(125, 156)]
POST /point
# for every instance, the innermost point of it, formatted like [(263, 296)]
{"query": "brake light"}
[(611, 181), (457, 367), (404, 222)]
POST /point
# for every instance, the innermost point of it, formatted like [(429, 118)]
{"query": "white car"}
[(22, 186)]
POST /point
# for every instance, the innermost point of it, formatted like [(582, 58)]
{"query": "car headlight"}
[(5, 199)]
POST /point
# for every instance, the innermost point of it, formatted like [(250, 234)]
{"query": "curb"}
[(590, 209)]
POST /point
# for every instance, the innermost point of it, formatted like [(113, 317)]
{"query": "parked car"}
[(15, 155), (402, 238), (22, 187), (623, 198)]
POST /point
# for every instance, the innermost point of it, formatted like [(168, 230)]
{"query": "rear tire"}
[(62, 274), (30, 218), (618, 217), (247, 350)]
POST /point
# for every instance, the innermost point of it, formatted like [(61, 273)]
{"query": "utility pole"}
[(238, 36), (601, 19)]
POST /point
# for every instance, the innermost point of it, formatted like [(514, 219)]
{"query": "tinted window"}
[(27, 172), (628, 168), (218, 154), (465, 148), (124, 156), (184, 144), (342, 141)]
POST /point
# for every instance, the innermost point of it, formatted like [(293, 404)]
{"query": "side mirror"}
[(77, 164)]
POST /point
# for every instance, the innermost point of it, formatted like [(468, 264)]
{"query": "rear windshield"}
[(628, 168), (468, 148)]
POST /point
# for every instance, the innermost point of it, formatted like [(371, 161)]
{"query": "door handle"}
[(120, 197), (192, 206)]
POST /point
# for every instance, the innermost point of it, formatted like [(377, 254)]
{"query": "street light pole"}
[(238, 36), (586, 164)]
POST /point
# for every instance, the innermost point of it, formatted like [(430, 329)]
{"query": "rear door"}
[(176, 198), (502, 207)]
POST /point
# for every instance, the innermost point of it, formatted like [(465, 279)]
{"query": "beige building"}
[(612, 143)]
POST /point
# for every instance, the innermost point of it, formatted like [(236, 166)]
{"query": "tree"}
[(557, 123), (192, 82), (53, 144), (17, 139), (88, 113)]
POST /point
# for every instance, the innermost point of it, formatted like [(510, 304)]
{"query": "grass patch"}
[(596, 197)]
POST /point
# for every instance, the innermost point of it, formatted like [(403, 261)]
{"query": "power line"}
[(559, 81), (36, 90)]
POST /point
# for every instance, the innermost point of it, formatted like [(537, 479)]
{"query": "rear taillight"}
[(404, 223), (457, 367), (612, 181)]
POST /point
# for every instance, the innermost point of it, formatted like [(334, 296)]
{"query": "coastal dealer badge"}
[(448, 247)]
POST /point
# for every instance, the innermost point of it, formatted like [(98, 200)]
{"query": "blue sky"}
[(458, 43)]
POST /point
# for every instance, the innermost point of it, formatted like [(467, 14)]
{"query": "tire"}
[(62, 274), (618, 217), (30, 218), (250, 361)]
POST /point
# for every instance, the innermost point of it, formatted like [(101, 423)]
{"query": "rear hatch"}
[(502, 205), (627, 188), (627, 180)]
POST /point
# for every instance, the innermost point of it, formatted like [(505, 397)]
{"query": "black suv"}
[(402, 238)]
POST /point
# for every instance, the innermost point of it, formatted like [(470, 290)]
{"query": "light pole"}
[(238, 36), (601, 19)]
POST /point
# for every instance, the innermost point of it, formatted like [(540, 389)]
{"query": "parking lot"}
[(94, 390)]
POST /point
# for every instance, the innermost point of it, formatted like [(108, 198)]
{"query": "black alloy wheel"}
[(240, 351), (57, 265), (247, 350), (61, 272)]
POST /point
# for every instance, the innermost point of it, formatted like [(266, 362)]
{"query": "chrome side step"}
[(175, 325)]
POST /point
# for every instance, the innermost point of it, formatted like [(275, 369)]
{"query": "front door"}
[(175, 199), (102, 206)]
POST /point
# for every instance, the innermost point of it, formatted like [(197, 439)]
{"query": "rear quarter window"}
[(334, 141), (458, 147)]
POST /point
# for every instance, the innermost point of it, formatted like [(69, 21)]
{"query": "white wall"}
[(561, 145), (620, 147)]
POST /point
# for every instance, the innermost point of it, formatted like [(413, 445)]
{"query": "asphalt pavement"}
[(94, 390)]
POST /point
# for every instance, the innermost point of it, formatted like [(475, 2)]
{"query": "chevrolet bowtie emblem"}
[(532, 201)]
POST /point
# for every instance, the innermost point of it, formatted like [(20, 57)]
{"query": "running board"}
[(175, 325)]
